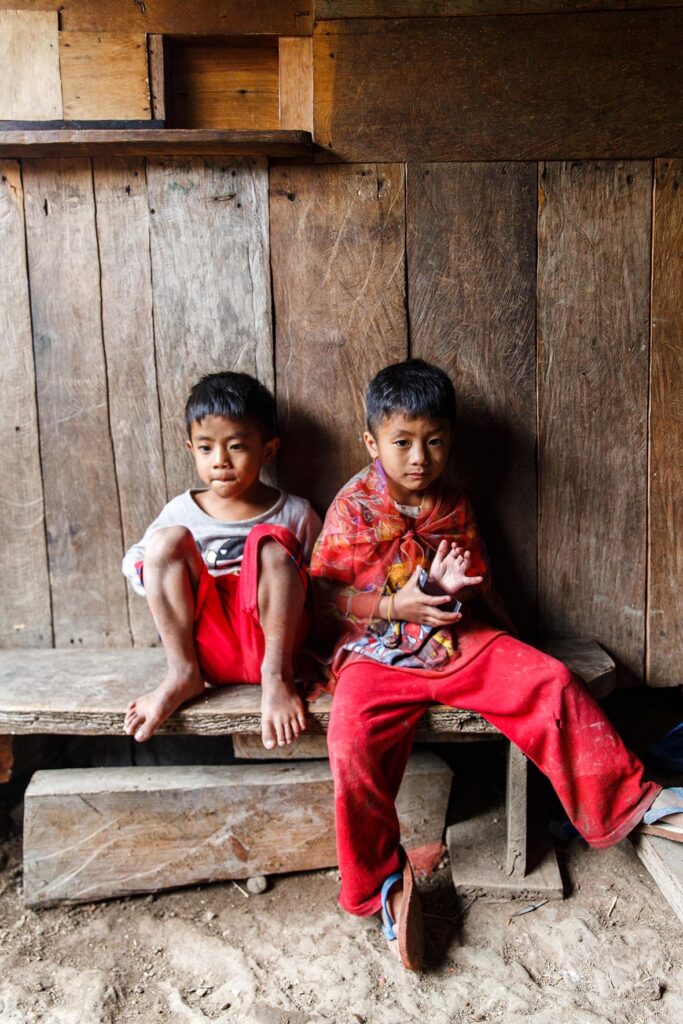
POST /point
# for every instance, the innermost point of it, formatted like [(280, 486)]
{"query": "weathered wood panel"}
[(223, 84), (665, 537), (472, 298), (128, 330), (29, 58), (337, 248), (193, 824), (308, 746), (104, 76), (461, 88), (81, 498), (157, 76), (593, 312), (211, 284), (450, 8), (25, 616), (177, 17), (296, 83)]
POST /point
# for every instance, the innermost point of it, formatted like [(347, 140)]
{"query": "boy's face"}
[(229, 454), (413, 454)]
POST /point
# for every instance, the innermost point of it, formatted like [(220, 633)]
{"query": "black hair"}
[(237, 396), (415, 388)]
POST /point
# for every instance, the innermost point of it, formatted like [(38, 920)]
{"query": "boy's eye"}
[(204, 448), (435, 442), (402, 443), (237, 447)]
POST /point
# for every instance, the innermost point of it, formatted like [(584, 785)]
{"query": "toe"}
[(267, 735)]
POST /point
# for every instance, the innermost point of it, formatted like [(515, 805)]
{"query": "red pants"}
[(534, 700), (228, 637)]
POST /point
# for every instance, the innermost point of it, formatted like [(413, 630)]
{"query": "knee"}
[(272, 555), (171, 543)]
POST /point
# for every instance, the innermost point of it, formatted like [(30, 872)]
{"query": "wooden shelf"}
[(155, 142)]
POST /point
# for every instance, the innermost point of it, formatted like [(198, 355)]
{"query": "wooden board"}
[(197, 824), (593, 311), (81, 496), (211, 285), (104, 75), (80, 692), (309, 746), (123, 238), (664, 860), (449, 8), (29, 58), (153, 142), (665, 532), (587, 660), (157, 76), (337, 249), (461, 88), (177, 17), (516, 838), (471, 284), (296, 83), (219, 84), (25, 615)]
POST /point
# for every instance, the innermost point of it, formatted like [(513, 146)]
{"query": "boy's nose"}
[(419, 455)]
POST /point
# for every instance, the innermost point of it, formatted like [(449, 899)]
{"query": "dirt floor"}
[(609, 952)]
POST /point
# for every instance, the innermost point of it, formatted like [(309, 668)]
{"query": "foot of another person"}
[(145, 714), (671, 825), (283, 716)]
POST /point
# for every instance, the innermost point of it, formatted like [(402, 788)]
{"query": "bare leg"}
[(172, 568), (280, 605)]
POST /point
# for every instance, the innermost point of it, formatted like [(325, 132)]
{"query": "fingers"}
[(438, 619), (436, 601), (472, 581)]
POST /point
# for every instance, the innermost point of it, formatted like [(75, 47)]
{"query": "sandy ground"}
[(609, 952)]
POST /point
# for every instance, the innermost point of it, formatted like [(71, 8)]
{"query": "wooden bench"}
[(84, 692)]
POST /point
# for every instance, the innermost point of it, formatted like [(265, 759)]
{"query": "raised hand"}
[(410, 604), (450, 567)]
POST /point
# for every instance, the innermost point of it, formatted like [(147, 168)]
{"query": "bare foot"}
[(282, 712), (669, 798), (146, 713)]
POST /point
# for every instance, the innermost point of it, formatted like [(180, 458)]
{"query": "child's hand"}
[(410, 604), (449, 568)]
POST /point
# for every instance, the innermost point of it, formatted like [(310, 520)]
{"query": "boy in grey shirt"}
[(224, 568)]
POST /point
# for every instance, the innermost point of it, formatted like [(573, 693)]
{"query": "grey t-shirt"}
[(221, 545)]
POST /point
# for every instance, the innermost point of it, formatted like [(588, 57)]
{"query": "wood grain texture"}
[(460, 88), (29, 58), (25, 615), (104, 75), (157, 76), (177, 17), (123, 237), (333, 9), (197, 824), (471, 284), (516, 816), (211, 285), (296, 83), (664, 860), (81, 499), (337, 250), (308, 746), (593, 312), (231, 84), (665, 533)]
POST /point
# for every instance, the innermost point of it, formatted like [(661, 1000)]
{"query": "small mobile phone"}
[(428, 586)]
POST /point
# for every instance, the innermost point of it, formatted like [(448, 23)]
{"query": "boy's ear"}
[(188, 444), (270, 449), (371, 445)]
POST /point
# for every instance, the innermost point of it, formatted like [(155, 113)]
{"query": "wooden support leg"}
[(516, 813), (6, 758)]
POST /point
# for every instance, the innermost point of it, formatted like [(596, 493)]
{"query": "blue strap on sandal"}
[(388, 923), (650, 817)]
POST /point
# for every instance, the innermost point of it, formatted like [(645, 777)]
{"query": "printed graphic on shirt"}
[(226, 554)]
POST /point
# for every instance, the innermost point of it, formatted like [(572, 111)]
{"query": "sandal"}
[(666, 829), (410, 934)]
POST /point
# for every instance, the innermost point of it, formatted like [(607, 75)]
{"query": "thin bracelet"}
[(389, 609)]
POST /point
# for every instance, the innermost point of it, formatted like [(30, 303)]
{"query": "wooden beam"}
[(296, 83), (104, 75), (153, 142), (157, 76), (516, 816), (335, 9), (309, 746), (197, 824), (6, 758), (664, 860), (29, 58)]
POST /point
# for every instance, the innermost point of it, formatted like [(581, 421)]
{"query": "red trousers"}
[(534, 700)]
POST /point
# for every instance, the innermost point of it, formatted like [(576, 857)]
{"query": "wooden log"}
[(665, 498), (178, 17), (80, 692), (594, 249), (337, 250), (6, 758), (211, 285), (460, 88), (29, 58), (471, 246), (296, 83), (25, 615), (516, 816), (104, 75), (223, 84), (98, 833), (81, 499), (122, 221), (157, 76)]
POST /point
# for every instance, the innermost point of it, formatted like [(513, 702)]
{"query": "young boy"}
[(404, 646), (224, 568)]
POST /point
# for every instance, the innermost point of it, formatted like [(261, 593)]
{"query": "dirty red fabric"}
[(228, 636), (533, 699)]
